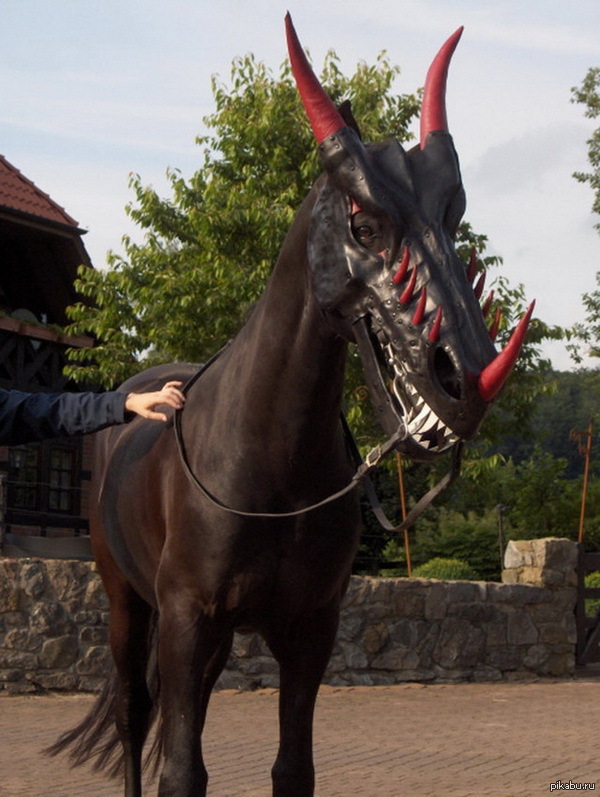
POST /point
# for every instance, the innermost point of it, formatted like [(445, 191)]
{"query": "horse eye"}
[(364, 231)]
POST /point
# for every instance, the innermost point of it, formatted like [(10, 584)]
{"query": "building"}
[(41, 247)]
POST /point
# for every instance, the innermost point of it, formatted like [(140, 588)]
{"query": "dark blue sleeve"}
[(27, 417)]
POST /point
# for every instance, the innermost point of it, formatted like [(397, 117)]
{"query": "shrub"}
[(592, 604), (446, 570)]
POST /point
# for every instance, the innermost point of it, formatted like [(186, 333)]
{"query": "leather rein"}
[(363, 468)]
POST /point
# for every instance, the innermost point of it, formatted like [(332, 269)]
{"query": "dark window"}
[(44, 477), (24, 477)]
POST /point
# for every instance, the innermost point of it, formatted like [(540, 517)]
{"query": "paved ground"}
[(504, 740)]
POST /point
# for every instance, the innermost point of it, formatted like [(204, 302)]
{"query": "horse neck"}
[(281, 379)]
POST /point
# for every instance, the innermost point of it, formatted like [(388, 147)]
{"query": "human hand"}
[(144, 403)]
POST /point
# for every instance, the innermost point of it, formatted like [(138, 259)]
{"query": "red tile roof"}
[(20, 194)]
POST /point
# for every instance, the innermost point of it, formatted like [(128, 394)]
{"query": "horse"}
[(238, 515)]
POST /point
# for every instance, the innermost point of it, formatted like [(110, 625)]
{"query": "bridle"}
[(361, 474)]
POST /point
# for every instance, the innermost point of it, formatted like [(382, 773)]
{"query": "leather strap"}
[(363, 468), (423, 502)]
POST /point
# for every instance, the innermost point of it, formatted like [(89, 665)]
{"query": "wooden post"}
[(586, 451), (403, 511)]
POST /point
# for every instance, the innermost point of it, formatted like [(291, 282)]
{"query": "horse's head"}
[(386, 274)]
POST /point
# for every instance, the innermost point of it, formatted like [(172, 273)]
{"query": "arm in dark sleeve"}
[(27, 417)]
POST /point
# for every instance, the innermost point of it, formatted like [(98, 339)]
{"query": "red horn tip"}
[(322, 114), (494, 375), (433, 109)]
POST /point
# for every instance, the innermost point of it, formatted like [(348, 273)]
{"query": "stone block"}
[(536, 656), (436, 600), (59, 652), (14, 620), (404, 633), (520, 629), (354, 655), (496, 632), (518, 553), (518, 594), (464, 592), (396, 659), (479, 613), (351, 625), (23, 639), (95, 662), (459, 645), (94, 635), (531, 575), (507, 657), (258, 665), (11, 675), (409, 603), (552, 578), (89, 617), (19, 688), (95, 596), (486, 674), (17, 659), (32, 580), (68, 578), (553, 633), (358, 592), (565, 600), (9, 571), (60, 681), (558, 665), (555, 553), (90, 684), (246, 645), (510, 576), (50, 619), (9, 596), (375, 638)]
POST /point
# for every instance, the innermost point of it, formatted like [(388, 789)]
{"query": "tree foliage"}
[(588, 94), (206, 252), (208, 249)]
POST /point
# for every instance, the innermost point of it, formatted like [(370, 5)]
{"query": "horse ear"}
[(345, 111)]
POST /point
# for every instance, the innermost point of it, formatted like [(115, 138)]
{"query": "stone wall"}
[(53, 626)]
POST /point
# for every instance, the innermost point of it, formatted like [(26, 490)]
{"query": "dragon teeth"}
[(420, 418)]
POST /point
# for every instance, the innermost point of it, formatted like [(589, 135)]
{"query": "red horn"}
[(433, 109), (322, 114), (494, 375)]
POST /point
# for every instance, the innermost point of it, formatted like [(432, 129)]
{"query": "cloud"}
[(523, 162)]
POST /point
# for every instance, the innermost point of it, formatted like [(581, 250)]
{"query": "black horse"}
[(193, 544)]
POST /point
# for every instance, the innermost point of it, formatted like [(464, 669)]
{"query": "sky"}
[(94, 90)]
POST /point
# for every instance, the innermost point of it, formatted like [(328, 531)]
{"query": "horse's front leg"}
[(302, 649), (192, 652)]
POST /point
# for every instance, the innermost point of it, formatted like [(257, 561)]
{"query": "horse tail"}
[(95, 739)]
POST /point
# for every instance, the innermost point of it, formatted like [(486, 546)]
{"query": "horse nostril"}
[(447, 374)]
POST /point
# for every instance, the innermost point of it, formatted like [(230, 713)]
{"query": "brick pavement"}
[(498, 740)]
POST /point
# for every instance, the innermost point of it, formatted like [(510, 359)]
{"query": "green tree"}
[(208, 250), (588, 94), (471, 537), (541, 506)]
